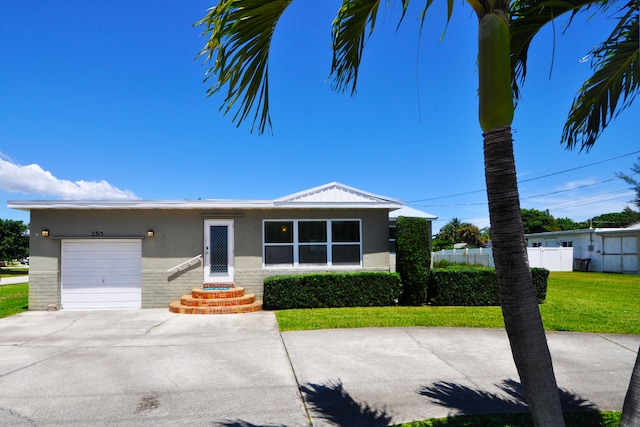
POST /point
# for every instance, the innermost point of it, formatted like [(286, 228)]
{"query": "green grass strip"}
[(14, 299), (579, 302), (577, 419)]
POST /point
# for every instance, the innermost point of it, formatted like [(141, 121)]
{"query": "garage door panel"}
[(106, 259), (100, 274), (612, 245), (103, 264), (630, 245), (630, 264), (102, 305), (106, 295), (101, 271), (116, 283)]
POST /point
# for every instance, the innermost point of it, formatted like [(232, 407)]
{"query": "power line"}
[(536, 195), (579, 167), (558, 206), (572, 203), (524, 180)]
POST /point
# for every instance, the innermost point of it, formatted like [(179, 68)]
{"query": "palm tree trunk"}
[(520, 309), (631, 408)]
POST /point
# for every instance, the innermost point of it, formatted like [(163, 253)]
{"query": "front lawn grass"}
[(14, 299), (593, 302), (584, 302)]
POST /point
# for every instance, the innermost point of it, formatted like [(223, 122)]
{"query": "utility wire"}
[(562, 205), (537, 195), (598, 197), (524, 180)]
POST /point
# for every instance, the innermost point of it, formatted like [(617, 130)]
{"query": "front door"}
[(218, 251)]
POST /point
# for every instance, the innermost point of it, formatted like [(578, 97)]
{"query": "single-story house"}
[(609, 250), (144, 254)]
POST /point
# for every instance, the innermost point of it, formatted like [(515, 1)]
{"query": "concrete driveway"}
[(152, 367)]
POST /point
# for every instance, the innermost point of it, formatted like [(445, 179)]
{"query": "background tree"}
[(535, 221), (616, 219), (470, 235), (456, 231), (450, 230), (485, 235), (14, 240), (635, 184), (448, 235), (569, 224), (239, 34)]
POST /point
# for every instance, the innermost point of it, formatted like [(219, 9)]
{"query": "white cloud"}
[(32, 179), (578, 184)]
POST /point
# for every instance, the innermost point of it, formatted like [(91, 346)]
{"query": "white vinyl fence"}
[(553, 259), (481, 256)]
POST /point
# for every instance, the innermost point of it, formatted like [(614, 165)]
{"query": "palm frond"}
[(611, 89), (528, 17), (352, 26), (351, 29), (239, 34)]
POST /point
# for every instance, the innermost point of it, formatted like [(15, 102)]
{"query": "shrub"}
[(540, 279), (474, 286), (443, 263), (331, 290), (413, 258)]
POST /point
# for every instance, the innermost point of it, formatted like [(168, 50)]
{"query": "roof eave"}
[(29, 205)]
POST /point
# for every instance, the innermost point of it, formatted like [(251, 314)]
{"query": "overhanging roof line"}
[(329, 196)]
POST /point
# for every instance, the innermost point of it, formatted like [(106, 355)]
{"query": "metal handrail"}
[(188, 263)]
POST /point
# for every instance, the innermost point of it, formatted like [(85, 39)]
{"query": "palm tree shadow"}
[(334, 404), (241, 423), (468, 400)]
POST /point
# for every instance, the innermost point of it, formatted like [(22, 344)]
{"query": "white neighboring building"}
[(609, 250)]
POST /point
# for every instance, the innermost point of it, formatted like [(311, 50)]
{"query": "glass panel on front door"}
[(218, 249), (219, 254)]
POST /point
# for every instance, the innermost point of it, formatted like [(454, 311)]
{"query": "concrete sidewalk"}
[(13, 280), (152, 367)]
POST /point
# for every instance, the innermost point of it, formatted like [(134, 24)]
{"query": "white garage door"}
[(621, 254), (101, 274)]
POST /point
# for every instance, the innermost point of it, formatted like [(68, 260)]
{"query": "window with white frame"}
[(312, 242)]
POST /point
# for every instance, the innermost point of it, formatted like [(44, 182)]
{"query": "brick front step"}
[(217, 285), (217, 293), (176, 307), (216, 298), (192, 301)]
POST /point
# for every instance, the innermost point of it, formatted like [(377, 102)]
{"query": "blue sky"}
[(104, 99)]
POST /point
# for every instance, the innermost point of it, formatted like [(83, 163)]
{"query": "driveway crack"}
[(15, 414), (295, 376), (617, 343), (22, 368)]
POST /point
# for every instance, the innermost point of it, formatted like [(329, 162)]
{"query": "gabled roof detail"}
[(335, 192)]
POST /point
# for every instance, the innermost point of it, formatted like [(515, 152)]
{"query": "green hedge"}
[(331, 290), (473, 286), (413, 258)]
